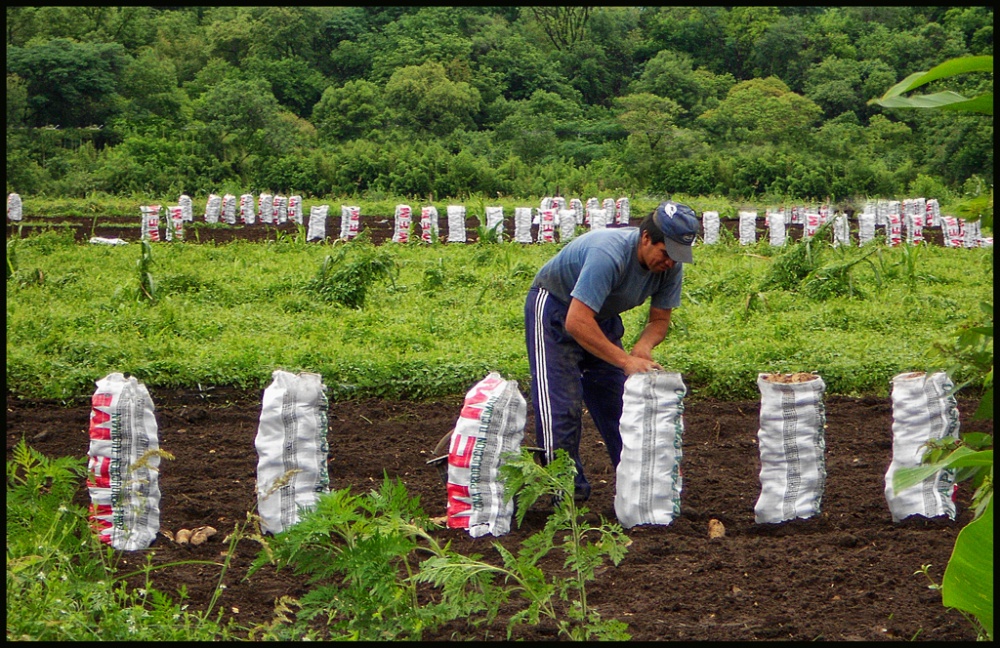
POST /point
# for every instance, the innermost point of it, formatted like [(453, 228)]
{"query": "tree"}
[(427, 101), (563, 25), (349, 111), (648, 118), (69, 84), (761, 110)]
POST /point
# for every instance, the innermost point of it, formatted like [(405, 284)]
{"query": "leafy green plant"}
[(789, 268), (358, 553), (585, 548), (347, 280)]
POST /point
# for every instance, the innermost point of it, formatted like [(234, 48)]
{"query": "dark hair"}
[(648, 225)]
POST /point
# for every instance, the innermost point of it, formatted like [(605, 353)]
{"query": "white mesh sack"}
[(150, 223), (456, 223), (350, 219), (213, 207), (494, 221), (279, 207), (229, 209), (923, 409), (491, 424), (123, 466), (295, 209), (577, 206), (248, 215), (175, 223), (598, 219), (187, 207), (866, 227), (810, 224), (292, 449), (648, 480), (265, 208), (609, 211), (792, 447), (933, 216), (316, 230), (710, 227), (401, 224), (748, 227), (951, 230), (841, 230), (776, 228), (546, 225), (971, 233), (429, 224), (567, 224), (623, 211), (592, 204), (522, 224)]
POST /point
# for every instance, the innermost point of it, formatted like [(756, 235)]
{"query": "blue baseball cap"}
[(679, 226)]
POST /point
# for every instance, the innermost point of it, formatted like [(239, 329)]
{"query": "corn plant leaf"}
[(968, 579), (949, 68), (947, 100), (961, 457)]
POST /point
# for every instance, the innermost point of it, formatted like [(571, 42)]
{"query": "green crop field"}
[(418, 320)]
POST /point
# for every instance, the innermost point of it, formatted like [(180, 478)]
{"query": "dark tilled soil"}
[(379, 229), (846, 575)]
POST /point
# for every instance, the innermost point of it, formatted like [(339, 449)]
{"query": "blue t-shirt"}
[(601, 268)]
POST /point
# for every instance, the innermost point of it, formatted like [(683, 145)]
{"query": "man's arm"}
[(581, 323), (656, 329)]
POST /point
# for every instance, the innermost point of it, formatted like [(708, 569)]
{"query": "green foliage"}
[(346, 280), (358, 552), (62, 584), (585, 548)]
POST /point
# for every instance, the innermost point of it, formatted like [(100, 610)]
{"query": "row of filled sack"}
[(791, 443), (292, 448)]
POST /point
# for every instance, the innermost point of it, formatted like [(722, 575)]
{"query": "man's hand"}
[(635, 364)]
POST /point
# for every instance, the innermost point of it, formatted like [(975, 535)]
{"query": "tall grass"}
[(231, 314)]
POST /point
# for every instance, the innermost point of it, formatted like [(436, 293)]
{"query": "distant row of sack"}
[(957, 232)]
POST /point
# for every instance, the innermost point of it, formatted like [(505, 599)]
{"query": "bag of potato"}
[(187, 207), (648, 479), (292, 449), (14, 212), (456, 223), (710, 227), (401, 224), (229, 209), (213, 207), (792, 447), (923, 409), (295, 209), (123, 467), (491, 424), (316, 231), (248, 214), (265, 209), (522, 225), (150, 222), (748, 227)]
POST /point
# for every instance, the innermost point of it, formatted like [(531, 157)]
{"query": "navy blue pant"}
[(564, 377)]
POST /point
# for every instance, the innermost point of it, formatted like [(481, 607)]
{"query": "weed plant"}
[(63, 584)]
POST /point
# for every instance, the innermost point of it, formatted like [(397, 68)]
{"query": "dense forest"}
[(752, 103)]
